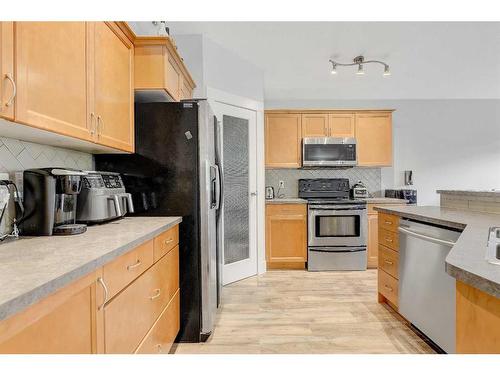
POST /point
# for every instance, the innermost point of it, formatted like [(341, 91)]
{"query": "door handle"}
[(253, 193), (14, 90), (218, 189), (105, 288)]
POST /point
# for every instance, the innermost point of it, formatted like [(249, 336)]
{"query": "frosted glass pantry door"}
[(237, 157)]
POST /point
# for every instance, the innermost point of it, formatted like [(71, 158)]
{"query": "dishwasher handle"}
[(424, 237)]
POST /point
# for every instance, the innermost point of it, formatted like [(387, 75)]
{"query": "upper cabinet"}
[(283, 137), (159, 67), (341, 124), (113, 86), (286, 128), (7, 83), (374, 139), (51, 76)]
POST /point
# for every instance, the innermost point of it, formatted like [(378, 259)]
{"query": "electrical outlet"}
[(281, 184)]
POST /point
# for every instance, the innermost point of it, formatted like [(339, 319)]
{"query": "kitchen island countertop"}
[(31, 268), (466, 260)]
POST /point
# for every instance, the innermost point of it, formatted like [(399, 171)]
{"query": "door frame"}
[(216, 95)]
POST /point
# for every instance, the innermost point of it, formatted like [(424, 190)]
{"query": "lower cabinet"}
[(119, 308), (286, 236)]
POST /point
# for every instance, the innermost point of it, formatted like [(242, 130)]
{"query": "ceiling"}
[(428, 60)]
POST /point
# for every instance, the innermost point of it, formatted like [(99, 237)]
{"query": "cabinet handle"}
[(135, 265), (99, 126), (105, 288), (388, 262), (92, 123), (388, 288), (14, 90), (388, 222), (158, 292), (388, 239), (170, 240), (158, 346)]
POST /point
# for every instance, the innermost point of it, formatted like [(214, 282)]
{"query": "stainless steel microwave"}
[(329, 152)]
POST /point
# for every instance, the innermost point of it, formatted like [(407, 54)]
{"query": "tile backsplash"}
[(371, 177), (16, 155)]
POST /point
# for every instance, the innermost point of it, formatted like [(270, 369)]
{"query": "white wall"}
[(451, 144)]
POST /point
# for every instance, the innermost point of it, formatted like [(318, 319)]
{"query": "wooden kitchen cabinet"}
[(52, 77), (374, 139), (372, 245), (113, 86), (283, 140), (67, 322), (286, 236), (315, 125), (7, 79), (159, 67), (341, 125)]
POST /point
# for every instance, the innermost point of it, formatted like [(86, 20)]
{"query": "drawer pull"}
[(388, 288), (170, 240), (388, 262), (158, 292), (135, 265), (388, 222), (388, 239), (158, 346), (105, 288)]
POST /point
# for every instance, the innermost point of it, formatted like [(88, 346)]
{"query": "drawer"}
[(160, 338), (388, 287), (286, 209), (389, 239), (122, 271), (165, 242), (388, 222), (388, 261), (132, 313)]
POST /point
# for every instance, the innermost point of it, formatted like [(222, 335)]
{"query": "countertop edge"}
[(462, 274), (35, 295)]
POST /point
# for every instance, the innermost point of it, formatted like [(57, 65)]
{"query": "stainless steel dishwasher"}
[(426, 291)]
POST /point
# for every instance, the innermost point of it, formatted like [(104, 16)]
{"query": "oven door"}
[(342, 225), (327, 152)]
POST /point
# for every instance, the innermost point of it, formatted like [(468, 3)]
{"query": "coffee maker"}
[(50, 196)]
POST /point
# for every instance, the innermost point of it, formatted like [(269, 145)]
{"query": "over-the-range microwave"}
[(329, 152)]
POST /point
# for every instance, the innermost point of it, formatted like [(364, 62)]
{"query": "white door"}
[(237, 144)]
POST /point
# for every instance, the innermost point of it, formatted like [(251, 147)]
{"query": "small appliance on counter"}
[(50, 201), (103, 198), (359, 190), (409, 194), (269, 192)]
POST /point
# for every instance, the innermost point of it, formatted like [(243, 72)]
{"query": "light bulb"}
[(387, 72), (334, 69), (360, 71)]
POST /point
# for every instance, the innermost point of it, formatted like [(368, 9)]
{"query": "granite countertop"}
[(32, 268), (286, 201), (466, 260)]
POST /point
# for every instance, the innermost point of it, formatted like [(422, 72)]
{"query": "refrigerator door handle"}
[(218, 187)]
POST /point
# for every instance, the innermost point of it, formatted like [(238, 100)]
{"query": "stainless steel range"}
[(337, 226)]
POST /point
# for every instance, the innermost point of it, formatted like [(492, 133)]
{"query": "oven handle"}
[(343, 208), (340, 249)]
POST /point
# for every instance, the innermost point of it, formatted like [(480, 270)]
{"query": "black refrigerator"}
[(174, 172)]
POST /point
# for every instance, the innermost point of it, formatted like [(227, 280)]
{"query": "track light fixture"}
[(360, 61)]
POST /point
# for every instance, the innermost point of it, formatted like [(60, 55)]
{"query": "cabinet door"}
[(286, 234), (374, 139), (51, 75), (63, 323), (283, 140), (314, 125), (173, 77), (372, 248), (7, 82), (341, 124), (113, 86)]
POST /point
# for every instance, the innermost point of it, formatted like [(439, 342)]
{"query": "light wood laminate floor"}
[(307, 312)]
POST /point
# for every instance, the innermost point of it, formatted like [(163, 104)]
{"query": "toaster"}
[(103, 198)]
